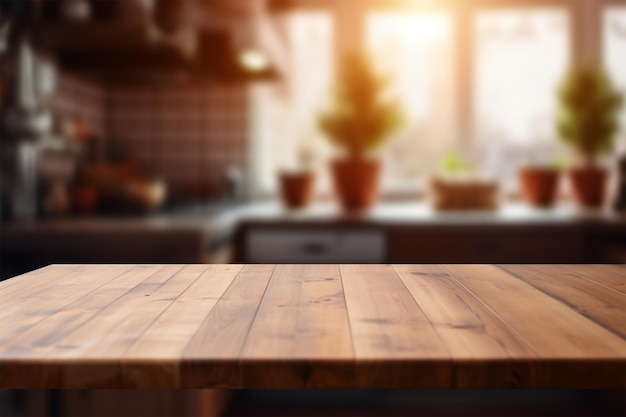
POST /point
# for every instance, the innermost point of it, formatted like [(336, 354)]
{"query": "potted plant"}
[(539, 183), (588, 121), (297, 187), (359, 120), (459, 186)]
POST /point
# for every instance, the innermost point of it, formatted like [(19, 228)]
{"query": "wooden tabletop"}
[(314, 326)]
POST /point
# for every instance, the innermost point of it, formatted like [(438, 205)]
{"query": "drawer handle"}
[(314, 248)]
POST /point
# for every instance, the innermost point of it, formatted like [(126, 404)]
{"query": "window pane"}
[(416, 50), (285, 115), (615, 56), (521, 56)]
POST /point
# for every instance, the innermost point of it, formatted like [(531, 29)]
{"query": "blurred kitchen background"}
[(177, 131)]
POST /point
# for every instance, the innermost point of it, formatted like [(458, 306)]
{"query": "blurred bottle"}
[(235, 186), (57, 201)]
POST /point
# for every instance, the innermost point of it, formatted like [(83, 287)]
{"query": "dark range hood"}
[(124, 53), (145, 48), (218, 59)]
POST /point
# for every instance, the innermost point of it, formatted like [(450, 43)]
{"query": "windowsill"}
[(420, 211), (412, 195)]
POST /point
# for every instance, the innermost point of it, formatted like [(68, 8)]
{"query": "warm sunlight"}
[(416, 50), (229, 208), (614, 55), (520, 57)]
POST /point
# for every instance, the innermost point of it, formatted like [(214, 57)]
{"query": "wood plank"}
[(481, 345), (22, 311), (152, 360), (620, 268), (575, 352), (211, 359), (40, 279), (394, 342), (314, 326), (592, 300), (28, 351), (609, 276), (29, 278), (90, 355), (37, 340), (302, 319), (132, 309)]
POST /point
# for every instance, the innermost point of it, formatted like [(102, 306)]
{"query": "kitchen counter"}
[(423, 213), (314, 326), (205, 233), (223, 219), (29, 245), (415, 233)]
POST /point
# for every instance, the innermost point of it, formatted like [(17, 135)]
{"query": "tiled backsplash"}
[(76, 97), (189, 136)]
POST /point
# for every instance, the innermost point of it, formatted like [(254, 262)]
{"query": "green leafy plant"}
[(588, 112), (454, 164), (360, 117)]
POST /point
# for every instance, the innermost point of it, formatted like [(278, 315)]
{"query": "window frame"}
[(585, 17)]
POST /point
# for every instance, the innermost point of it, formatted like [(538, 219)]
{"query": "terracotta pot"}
[(589, 185), (297, 189), (539, 185), (356, 182)]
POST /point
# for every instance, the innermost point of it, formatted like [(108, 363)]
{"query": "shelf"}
[(83, 37), (113, 50), (139, 53)]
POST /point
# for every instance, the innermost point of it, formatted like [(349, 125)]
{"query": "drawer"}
[(268, 245), (485, 246)]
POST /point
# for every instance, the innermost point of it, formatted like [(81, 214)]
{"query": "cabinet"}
[(494, 244), (26, 246), (311, 246), (273, 241)]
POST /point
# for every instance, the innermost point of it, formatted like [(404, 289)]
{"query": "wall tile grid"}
[(79, 98), (189, 136)]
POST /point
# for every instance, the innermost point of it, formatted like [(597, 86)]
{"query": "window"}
[(494, 99), (416, 51), (285, 115), (520, 58), (614, 56)]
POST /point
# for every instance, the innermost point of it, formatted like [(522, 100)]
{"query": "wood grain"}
[(24, 309), (58, 325), (111, 332), (211, 359), (610, 276), (300, 325), (592, 300), (560, 335), (395, 344), (42, 280), (169, 334), (314, 326), (106, 337), (478, 341), (35, 329), (28, 280)]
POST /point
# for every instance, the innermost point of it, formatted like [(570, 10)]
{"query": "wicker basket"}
[(464, 194)]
